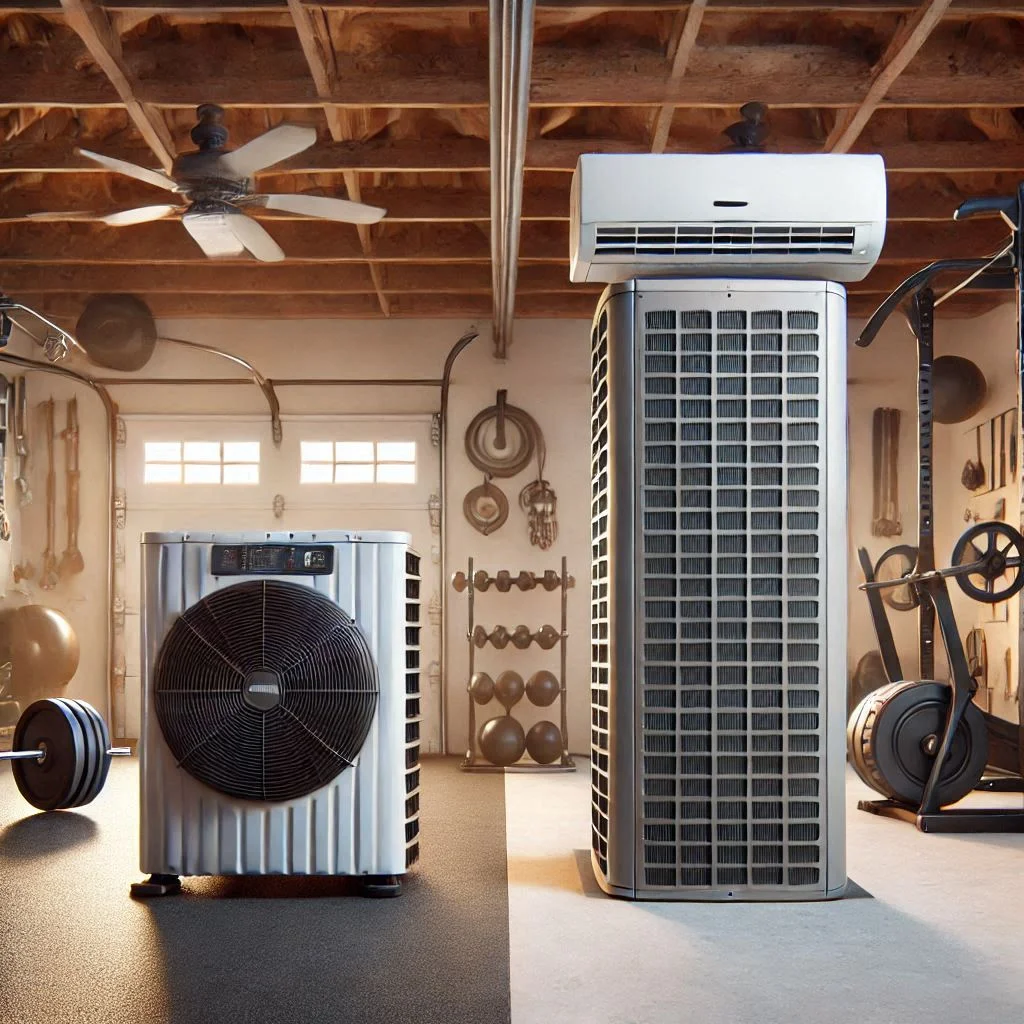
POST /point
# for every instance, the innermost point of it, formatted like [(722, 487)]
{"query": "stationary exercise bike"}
[(923, 744)]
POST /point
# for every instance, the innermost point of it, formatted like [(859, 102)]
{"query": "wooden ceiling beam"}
[(964, 9), (279, 279), (92, 25), (684, 39), (608, 75), (928, 197), (451, 307), (900, 52), (315, 40), (425, 156), (308, 242)]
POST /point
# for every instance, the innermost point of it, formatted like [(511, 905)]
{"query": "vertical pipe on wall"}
[(446, 376), (511, 56)]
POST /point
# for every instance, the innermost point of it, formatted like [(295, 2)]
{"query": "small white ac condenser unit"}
[(719, 589), (280, 706), (812, 216)]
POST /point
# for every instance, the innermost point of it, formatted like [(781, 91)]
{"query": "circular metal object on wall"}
[(485, 508), (521, 435), (958, 389), (117, 331)]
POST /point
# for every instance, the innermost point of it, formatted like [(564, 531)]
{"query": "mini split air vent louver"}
[(281, 704)]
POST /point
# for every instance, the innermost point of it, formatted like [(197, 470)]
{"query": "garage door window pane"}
[(202, 451), (317, 451), (242, 451), (162, 473), (241, 473), (396, 473), (396, 451), (163, 451), (202, 473), (354, 451), (353, 473), (316, 473)]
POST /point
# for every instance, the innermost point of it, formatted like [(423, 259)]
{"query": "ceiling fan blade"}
[(213, 234), (269, 148), (255, 238), (343, 210), (120, 218), (157, 178)]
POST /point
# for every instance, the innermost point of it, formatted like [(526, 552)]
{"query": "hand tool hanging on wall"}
[(71, 562), (885, 452), (21, 438), (49, 579), (1013, 445), (1002, 450), (973, 476)]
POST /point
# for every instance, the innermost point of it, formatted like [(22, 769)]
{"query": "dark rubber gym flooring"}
[(75, 948)]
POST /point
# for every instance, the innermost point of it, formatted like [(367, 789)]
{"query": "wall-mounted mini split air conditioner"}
[(811, 216)]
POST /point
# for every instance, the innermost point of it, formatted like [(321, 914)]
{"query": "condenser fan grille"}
[(265, 690)]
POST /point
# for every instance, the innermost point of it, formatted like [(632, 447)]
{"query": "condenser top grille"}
[(265, 690), (729, 239)]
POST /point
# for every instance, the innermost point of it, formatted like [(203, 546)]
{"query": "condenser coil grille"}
[(718, 239), (412, 708), (732, 615), (599, 593), (265, 690)]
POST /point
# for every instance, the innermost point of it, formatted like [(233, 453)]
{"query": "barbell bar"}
[(61, 754)]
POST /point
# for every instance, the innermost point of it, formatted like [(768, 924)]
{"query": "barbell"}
[(61, 753)]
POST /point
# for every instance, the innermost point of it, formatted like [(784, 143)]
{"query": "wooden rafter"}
[(471, 155), (319, 53), (684, 39), (899, 53), (92, 25)]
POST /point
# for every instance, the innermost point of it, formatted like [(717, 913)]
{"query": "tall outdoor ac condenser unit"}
[(719, 589), (280, 709)]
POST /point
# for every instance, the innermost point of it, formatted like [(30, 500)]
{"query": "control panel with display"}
[(272, 559)]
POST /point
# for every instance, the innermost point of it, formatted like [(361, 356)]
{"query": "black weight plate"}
[(894, 749), (104, 746), (1001, 581), (90, 744), (50, 783), (95, 750)]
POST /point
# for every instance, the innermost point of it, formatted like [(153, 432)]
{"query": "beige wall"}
[(546, 374)]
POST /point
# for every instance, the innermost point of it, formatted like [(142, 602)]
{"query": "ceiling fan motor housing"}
[(280, 714)]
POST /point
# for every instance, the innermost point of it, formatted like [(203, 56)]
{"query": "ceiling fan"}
[(217, 183)]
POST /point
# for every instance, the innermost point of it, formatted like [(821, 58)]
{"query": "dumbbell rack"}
[(474, 760)]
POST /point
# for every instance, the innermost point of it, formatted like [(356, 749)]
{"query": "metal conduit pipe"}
[(111, 411), (446, 377), (511, 57)]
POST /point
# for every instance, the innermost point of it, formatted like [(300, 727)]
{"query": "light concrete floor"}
[(939, 942)]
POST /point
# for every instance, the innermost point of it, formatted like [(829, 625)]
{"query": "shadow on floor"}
[(45, 834)]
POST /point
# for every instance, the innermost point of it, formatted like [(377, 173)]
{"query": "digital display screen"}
[(272, 559)]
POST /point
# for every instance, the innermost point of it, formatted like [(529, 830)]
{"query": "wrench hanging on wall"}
[(71, 561), (49, 579)]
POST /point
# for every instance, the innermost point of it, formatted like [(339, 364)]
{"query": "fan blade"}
[(157, 178), (255, 238), (329, 209), (213, 234), (120, 218), (269, 148)]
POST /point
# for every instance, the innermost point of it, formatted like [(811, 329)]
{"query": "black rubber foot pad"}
[(156, 885), (381, 887)]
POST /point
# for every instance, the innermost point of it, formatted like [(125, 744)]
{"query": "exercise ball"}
[(544, 742), (958, 389), (481, 686), (117, 331), (542, 689), (42, 648), (508, 688), (502, 741)]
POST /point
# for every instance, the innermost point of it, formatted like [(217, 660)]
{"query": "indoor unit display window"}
[(358, 462), (202, 462)]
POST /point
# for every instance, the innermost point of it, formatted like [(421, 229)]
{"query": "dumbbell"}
[(551, 581), (481, 581), (526, 581), (459, 581), (61, 753), (546, 637), (503, 581), (522, 637)]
